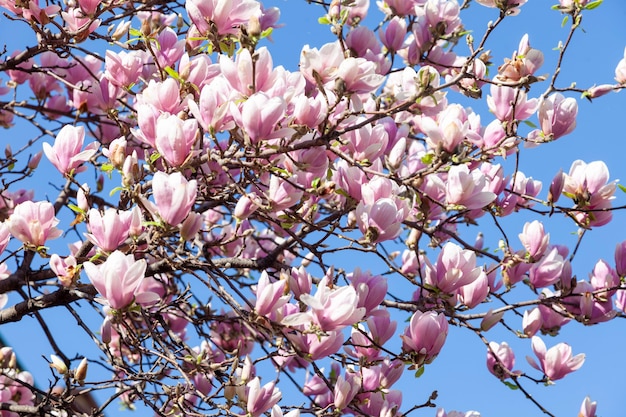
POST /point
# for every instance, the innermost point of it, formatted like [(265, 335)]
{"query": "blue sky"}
[(459, 374)]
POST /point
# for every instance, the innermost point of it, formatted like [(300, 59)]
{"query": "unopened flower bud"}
[(33, 163), (120, 31), (490, 320), (556, 187), (58, 364), (81, 372)]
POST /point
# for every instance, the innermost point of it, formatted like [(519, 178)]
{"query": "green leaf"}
[(428, 158), (76, 209), (116, 189), (267, 32), (155, 155), (593, 5), (107, 167), (531, 124), (564, 22), (323, 20), (621, 187), (420, 371), (172, 73), (510, 385), (135, 32)]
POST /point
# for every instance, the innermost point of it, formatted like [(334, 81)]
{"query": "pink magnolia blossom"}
[(5, 236), (316, 346), (467, 188), (380, 221), (534, 239), (247, 77), (346, 389), (555, 362), (269, 295), (588, 305), (175, 138), (310, 111), (260, 115), (371, 289), (65, 269), (531, 322), (367, 143), (548, 270), (212, 111), (425, 336), (620, 256), (474, 293), (320, 65), (588, 408), (168, 48), (503, 100), (358, 75), (34, 223), (455, 268), (79, 24), (123, 69), (557, 115), (604, 277), (500, 359), (89, 7), (332, 308), (552, 318), (110, 230), (284, 193), (164, 96), (300, 282), (225, 15), (118, 280), (392, 36), (511, 7), (174, 196), (260, 399), (525, 62), (588, 186), (66, 154)]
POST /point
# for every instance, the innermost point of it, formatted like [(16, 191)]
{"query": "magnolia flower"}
[(66, 154), (556, 362), (557, 115), (534, 239), (425, 336), (503, 365), (174, 196), (110, 230), (118, 280), (261, 399), (34, 223), (467, 188)]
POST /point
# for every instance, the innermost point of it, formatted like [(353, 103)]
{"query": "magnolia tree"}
[(200, 226)]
